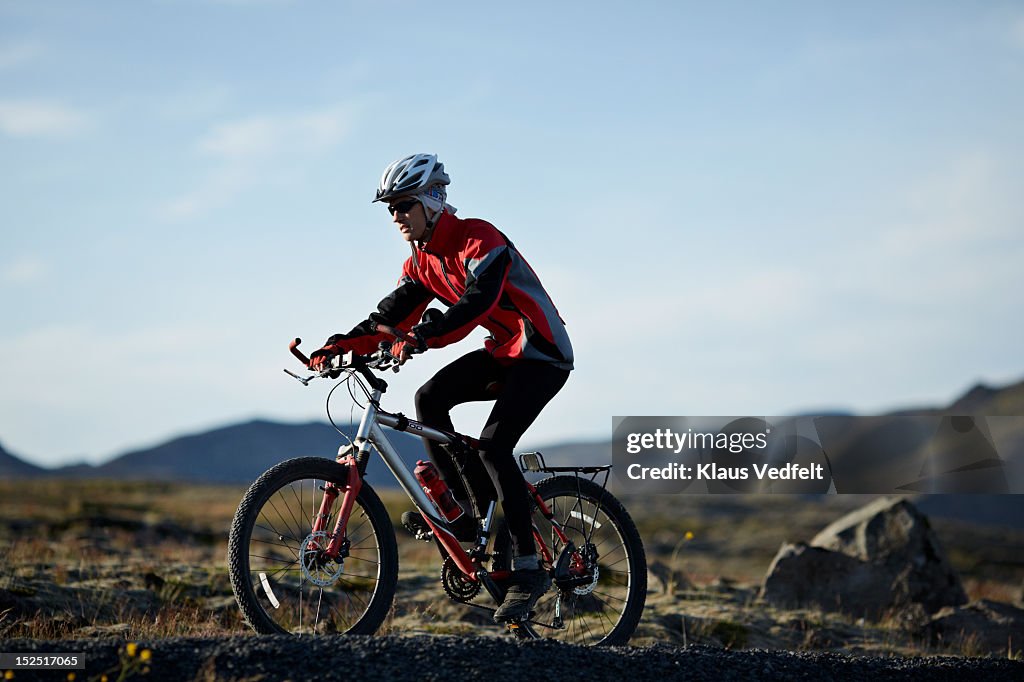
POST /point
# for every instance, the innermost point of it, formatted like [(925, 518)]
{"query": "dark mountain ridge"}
[(240, 452), (14, 467)]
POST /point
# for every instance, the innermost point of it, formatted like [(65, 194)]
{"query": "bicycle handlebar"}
[(294, 348), (379, 360), (397, 333)]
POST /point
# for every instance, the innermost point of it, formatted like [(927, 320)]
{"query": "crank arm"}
[(491, 610)]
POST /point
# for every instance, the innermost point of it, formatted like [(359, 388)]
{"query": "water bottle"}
[(437, 490)]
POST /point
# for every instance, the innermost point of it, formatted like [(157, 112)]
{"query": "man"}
[(471, 267)]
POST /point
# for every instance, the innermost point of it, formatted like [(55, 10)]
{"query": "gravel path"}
[(421, 658)]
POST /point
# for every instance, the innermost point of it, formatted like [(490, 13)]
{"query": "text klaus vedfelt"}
[(666, 439)]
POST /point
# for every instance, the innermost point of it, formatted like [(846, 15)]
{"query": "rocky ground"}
[(418, 658), (96, 565)]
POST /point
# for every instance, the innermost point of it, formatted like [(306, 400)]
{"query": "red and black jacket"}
[(476, 271)]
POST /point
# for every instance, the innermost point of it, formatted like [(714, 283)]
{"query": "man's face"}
[(407, 213)]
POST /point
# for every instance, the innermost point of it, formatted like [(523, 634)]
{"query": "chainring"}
[(455, 583)]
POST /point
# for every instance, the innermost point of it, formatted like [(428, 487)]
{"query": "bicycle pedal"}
[(516, 629), (413, 523), (425, 535), (518, 622)]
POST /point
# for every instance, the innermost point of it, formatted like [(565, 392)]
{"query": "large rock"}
[(986, 627), (883, 560), (892, 535), (802, 576)]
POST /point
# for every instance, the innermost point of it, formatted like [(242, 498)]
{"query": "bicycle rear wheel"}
[(606, 607), (283, 580)]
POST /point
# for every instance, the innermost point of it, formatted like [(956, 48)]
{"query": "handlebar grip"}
[(397, 333), (294, 348)]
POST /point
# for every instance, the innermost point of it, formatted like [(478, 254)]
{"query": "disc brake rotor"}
[(590, 560), (317, 567)]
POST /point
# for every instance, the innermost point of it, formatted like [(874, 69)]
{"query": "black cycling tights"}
[(524, 387)]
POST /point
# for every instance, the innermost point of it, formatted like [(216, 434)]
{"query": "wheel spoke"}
[(276, 591), (604, 609)]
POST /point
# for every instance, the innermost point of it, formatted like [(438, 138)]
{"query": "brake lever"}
[(304, 382), (385, 357), (389, 361), (337, 362)]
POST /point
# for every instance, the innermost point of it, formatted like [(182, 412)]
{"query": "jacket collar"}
[(445, 238)]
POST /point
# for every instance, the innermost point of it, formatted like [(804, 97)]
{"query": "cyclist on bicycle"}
[(474, 270)]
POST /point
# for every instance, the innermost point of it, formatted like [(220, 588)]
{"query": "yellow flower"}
[(103, 678), (145, 655), (8, 674), (689, 535), (132, 648), (71, 677)]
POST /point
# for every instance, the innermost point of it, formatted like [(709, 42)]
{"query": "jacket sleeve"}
[(401, 308), (487, 260)]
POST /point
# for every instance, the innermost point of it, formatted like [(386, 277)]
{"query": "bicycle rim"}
[(606, 608), (292, 584)]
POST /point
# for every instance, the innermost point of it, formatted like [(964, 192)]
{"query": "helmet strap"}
[(429, 232), (431, 221)]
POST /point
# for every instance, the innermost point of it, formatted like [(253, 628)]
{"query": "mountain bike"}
[(312, 549)]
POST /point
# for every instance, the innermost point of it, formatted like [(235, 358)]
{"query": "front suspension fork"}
[(348, 493)]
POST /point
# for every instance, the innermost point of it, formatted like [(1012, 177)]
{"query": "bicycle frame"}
[(371, 434), (594, 589)]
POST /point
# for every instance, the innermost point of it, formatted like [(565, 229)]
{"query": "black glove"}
[(404, 349), (320, 360)]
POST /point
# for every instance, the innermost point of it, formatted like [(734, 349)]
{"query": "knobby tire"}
[(609, 610), (268, 534)]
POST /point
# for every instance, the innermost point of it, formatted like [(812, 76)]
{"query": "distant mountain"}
[(981, 399), (946, 451), (576, 453), (238, 454), (1003, 402), (13, 467)]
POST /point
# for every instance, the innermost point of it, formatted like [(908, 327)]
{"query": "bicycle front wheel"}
[(604, 605), (283, 580)]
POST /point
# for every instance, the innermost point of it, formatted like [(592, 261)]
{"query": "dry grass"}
[(993, 590), (148, 560)]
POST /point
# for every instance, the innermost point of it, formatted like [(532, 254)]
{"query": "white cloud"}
[(1017, 32), (25, 270), (219, 186), (12, 56), (263, 136), (198, 102), (242, 4), (259, 149), (900, 306), (33, 118), (118, 385), (252, 3), (964, 185), (959, 227)]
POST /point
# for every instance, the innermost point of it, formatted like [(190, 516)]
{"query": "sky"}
[(738, 208)]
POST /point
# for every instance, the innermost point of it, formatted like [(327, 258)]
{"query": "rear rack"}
[(534, 462)]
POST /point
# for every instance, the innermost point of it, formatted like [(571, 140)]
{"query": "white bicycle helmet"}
[(413, 174)]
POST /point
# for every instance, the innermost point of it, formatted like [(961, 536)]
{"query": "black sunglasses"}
[(402, 206)]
